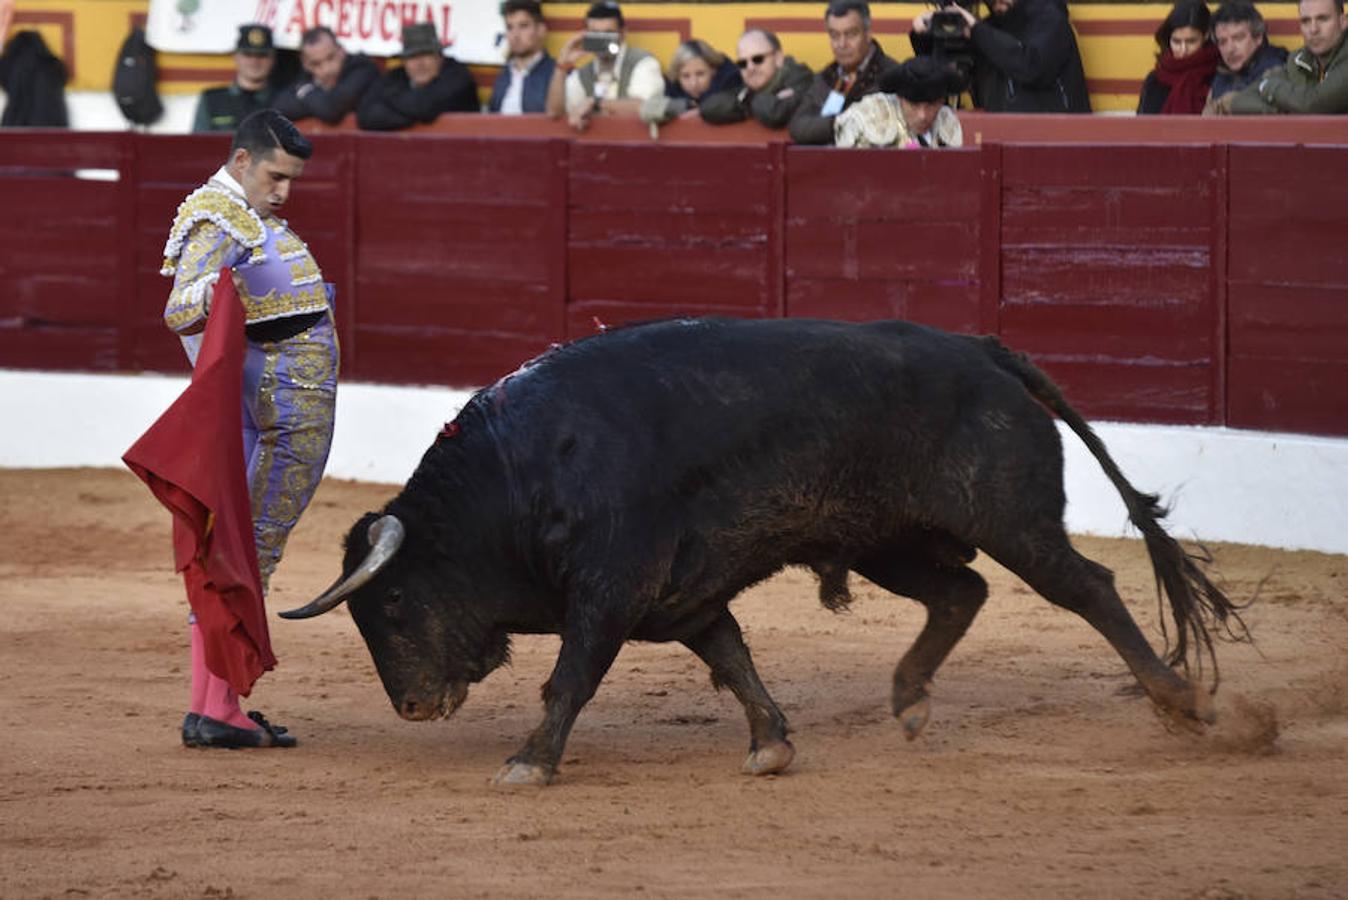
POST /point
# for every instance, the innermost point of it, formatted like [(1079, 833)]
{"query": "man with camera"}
[(858, 63), (614, 82), (1022, 58)]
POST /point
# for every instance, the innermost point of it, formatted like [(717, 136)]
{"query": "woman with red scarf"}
[(1183, 75)]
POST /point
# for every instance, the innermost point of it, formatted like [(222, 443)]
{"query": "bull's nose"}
[(411, 709)]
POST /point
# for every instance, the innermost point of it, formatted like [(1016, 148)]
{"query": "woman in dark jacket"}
[(697, 70), (1185, 66)]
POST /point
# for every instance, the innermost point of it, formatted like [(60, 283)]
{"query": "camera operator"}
[(1024, 55)]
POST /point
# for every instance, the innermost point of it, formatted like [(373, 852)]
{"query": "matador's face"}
[(266, 177)]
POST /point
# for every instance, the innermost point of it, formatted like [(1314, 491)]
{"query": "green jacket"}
[(222, 109), (725, 107), (1302, 85)]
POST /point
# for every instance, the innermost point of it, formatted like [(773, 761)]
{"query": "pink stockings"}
[(212, 696)]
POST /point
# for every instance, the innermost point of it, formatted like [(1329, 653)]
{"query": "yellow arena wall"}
[(1115, 38)]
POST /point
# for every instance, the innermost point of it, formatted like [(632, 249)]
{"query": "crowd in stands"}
[(1022, 56)]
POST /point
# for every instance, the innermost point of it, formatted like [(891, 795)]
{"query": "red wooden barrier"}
[(666, 231), (1199, 283), (1288, 290), (1107, 276), (458, 256), (876, 234), (64, 263)]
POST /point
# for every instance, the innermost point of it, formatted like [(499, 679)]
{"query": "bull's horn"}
[(385, 536)]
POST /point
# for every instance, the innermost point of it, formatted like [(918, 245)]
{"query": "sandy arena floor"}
[(1036, 777)]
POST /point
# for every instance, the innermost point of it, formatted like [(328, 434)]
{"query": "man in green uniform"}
[(223, 108)]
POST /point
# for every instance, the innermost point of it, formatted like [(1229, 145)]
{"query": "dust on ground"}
[(1039, 775)]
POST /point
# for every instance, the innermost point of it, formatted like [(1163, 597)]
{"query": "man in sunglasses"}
[(774, 84), (858, 63)]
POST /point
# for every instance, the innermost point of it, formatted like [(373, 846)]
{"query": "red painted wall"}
[(1197, 283)]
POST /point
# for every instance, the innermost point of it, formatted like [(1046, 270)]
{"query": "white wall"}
[(97, 111), (1280, 490)]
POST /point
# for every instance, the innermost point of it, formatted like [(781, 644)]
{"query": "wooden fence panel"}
[(1288, 289), (458, 272), (658, 231), (63, 264), (1107, 276), (887, 235)]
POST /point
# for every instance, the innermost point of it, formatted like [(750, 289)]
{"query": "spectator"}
[(1024, 56), (522, 86), (333, 83), (696, 70), (34, 81), (910, 111), (615, 82), (1315, 78), (427, 84), (774, 84), (858, 63), (223, 108), (1185, 66), (1242, 39)]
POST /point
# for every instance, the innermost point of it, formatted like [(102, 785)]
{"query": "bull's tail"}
[(1196, 604)]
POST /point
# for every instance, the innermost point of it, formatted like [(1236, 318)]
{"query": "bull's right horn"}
[(385, 536)]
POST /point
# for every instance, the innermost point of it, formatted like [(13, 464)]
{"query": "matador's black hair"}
[(266, 130)]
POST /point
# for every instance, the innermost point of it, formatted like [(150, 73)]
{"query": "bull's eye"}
[(392, 603)]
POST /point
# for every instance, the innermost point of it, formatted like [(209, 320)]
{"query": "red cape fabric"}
[(192, 460)]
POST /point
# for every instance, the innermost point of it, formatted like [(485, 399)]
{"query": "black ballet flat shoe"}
[(191, 729), (212, 733)]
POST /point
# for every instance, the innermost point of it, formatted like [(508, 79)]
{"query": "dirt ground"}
[(1035, 778)]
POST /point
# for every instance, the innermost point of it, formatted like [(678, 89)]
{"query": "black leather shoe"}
[(212, 733), (191, 726)]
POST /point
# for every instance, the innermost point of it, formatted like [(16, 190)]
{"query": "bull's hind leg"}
[(721, 647), (952, 595), (1050, 565)]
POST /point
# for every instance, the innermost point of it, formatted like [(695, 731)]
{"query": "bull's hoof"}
[(914, 717), (512, 774), (1187, 707), (1196, 714), (769, 759)]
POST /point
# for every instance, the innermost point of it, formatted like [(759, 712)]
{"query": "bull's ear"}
[(385, 536)]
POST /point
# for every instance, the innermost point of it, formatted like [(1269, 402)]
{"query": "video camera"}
[(949, 45), (946, 23)]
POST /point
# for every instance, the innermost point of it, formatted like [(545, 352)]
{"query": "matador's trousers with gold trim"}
[(289, 397)]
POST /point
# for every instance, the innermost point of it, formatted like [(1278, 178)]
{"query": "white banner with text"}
[(471, 30)]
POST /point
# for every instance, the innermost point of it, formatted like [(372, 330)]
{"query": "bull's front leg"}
[(585, 657)]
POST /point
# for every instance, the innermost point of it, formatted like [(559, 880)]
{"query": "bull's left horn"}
[(385, 536)]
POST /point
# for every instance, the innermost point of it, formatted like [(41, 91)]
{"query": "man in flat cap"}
[(427, 84), (223, 108), (910, 111)]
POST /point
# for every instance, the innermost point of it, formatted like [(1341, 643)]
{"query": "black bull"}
[(630, 485)]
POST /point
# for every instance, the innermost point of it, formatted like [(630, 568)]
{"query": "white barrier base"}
[(1278, 490)]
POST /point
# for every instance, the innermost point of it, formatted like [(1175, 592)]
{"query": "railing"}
[(1198, 283)]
